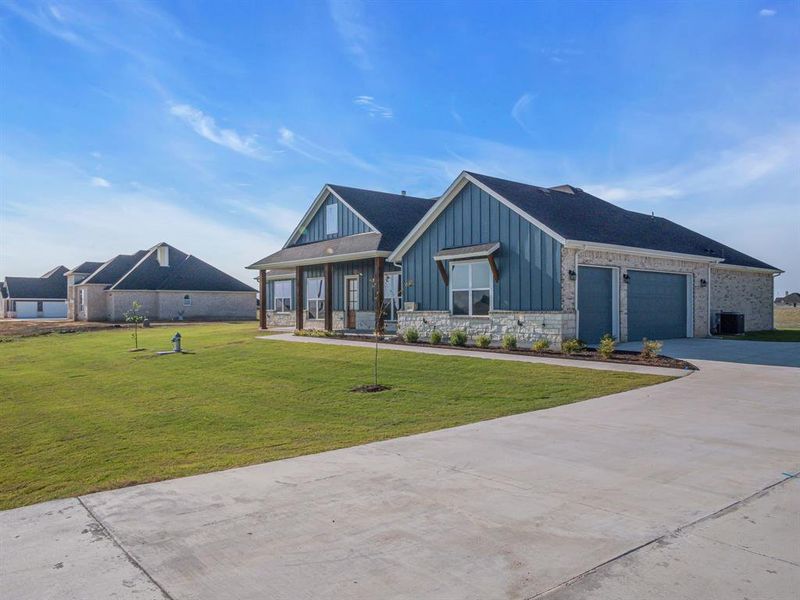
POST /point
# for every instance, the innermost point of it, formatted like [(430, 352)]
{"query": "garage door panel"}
[(54, 310), (657, 305), (26, 310), (595, 303)]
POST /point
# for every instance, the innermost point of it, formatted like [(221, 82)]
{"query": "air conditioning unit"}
[(730, 323), (409, 306)]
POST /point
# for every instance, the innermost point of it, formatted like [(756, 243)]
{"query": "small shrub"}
[(436, 337), (572, 346), (509, 342), (607, 346), (651, 348), (458, 337), (411, 335), (313, 333), (483, 341), (541, 345)]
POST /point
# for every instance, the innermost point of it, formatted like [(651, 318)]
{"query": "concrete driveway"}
[(682, 490), (785, 354)]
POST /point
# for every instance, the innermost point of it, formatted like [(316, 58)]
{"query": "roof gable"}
[(52, 284), (348, 222)]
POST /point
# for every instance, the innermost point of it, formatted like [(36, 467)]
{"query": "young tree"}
[(135, 316)]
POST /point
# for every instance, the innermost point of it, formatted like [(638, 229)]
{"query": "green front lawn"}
[(78, 413), (769, 335)]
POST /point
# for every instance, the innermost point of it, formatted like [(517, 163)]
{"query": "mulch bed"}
[(588, 354)]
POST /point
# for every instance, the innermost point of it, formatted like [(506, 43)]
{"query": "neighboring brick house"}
[(169, 285), (792, 299), (34, 297), (496, 256)]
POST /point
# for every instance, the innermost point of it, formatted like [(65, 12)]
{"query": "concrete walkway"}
[(673, 491), (563, 362)]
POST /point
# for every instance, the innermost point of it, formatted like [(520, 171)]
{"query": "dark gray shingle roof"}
[(362, 242), (583, 217), (86, 268), (112, 270), (52, 284), (394, 215)]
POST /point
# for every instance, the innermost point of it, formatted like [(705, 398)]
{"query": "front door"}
[(351, 301)]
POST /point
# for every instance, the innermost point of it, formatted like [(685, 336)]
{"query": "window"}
[(81, 299), (391, 295), (316, 297), (331, 219), (470, 288), (163, 256), (283, 296), (187, 300)]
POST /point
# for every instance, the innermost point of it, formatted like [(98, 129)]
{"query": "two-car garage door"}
[(27, 309), (658, 304)]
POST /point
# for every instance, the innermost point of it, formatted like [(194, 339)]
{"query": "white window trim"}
[(276, 296), (332, 225), (358, 292), (399, 291), (470, 289), (309, 299)]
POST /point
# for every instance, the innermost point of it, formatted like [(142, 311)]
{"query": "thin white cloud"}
[(372, 108), (316, 152), (50, 19), (767, 12), (348, 18), (205, 126), (100, 182), (521, 108)]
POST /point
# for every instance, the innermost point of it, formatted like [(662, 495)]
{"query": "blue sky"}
[(212, 125)]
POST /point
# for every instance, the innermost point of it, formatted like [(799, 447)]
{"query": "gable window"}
[(187, 300), (315, 304), (332, 219), (470, 288), (283, 296), (163, 256)]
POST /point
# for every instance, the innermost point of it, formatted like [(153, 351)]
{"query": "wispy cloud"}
[(205, 126), (100, 182), (521, 108), (348, 18), (767, 12), (316, 152), (50, 19), (373, 108)]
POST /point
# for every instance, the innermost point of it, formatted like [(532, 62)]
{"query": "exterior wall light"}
[(572, 275), (703, 283), (626, 278)]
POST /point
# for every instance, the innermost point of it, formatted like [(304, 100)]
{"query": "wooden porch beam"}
[(328, 297), (493, 267), (442, 271), (262, 295), (298, 297)]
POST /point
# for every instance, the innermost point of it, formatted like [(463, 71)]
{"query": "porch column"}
[(298, 298), (328, 297), (379, 260), (262, 294)]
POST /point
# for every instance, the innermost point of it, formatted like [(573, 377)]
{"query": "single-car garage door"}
[(657, 305), (54, 310), (26, 310), (595, 303)]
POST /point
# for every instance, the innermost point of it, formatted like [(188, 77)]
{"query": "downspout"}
[(708, 298)]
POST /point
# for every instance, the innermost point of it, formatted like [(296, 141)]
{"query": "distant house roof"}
[(579, 216), (51, 285), (394, 215), (142, 271), (86, 268), (793, 298), (350, 247)]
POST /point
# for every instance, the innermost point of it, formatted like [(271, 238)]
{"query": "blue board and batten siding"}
[(529, 260), (366, 291), (348, 224)]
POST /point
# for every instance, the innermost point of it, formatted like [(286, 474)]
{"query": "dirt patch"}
[(11, 328), (370, 388)]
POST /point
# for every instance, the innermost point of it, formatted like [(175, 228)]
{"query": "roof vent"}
[(402, 192), (567, 189)]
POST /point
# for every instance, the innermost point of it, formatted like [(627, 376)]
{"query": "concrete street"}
[(682, 490)]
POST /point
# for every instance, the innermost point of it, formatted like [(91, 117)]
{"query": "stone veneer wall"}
[(527, 326), (95, 308), (698, 270), (745, 292), (278, 319)]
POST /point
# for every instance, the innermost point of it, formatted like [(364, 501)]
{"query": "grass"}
[(787, 328), (79, 413)]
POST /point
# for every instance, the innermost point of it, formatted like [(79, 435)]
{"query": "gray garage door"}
[(54, 309), (595, 305), (26, 310), (657, 305)]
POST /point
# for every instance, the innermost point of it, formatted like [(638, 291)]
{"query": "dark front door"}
[(657, 305), (595, 303), (351, 301)]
